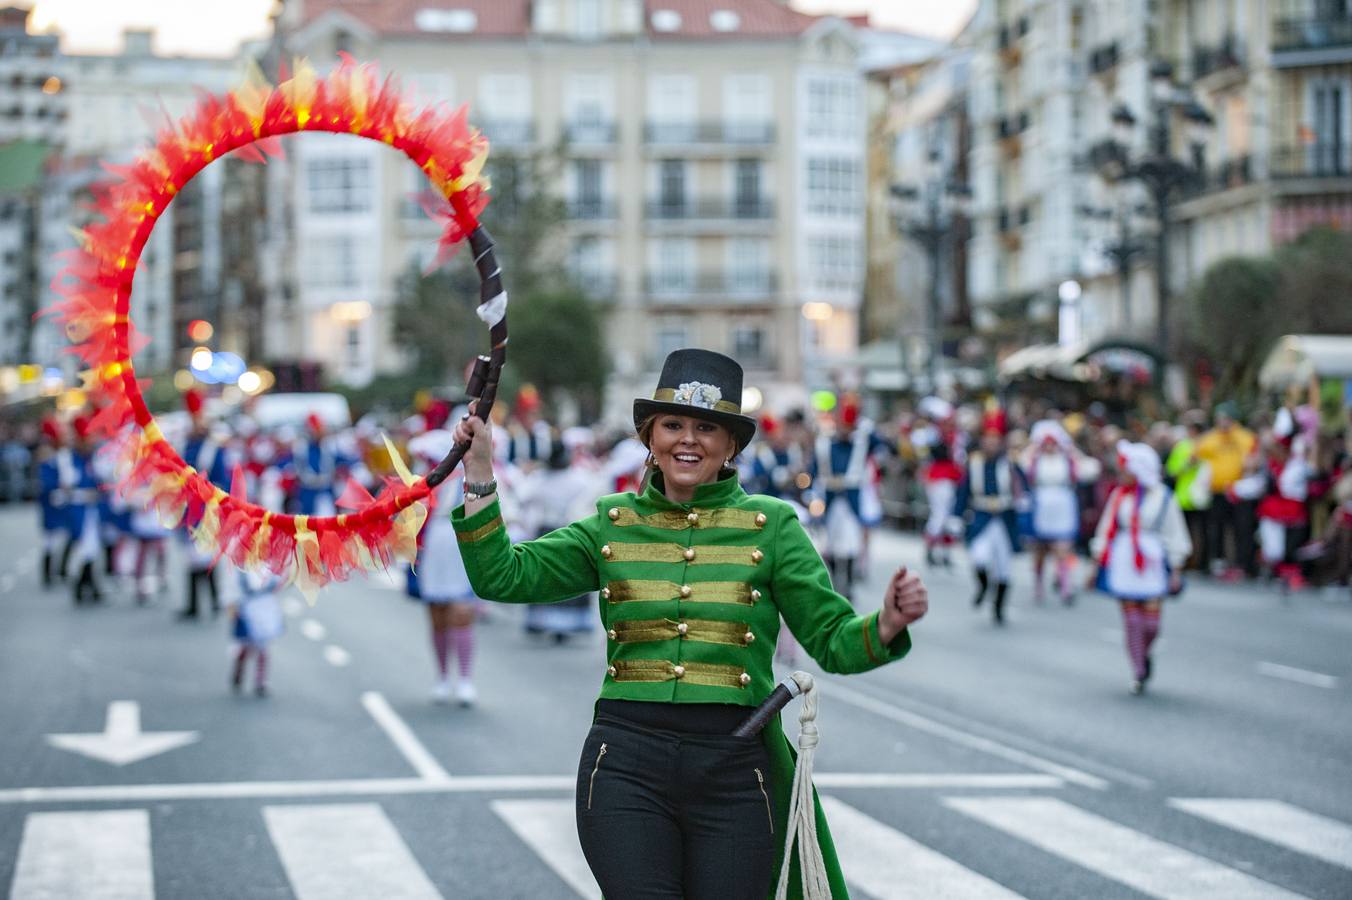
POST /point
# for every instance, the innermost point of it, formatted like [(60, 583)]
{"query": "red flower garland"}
[(96, 282)]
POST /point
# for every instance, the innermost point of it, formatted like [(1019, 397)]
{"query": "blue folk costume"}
[(316, 463), (840, 468), (55, 474), (207, 456), (992, 491), (82, 522)]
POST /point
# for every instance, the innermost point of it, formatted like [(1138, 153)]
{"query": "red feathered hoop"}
[(96, 290)]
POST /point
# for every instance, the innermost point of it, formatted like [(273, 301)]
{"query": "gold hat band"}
[(668, 395)]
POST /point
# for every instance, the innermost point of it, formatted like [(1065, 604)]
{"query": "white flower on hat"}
[(697, 393)]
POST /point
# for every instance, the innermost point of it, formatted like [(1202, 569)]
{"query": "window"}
[(587, 173), (354, 346), (671, 108), (747, 107), (671, 337), (836, 262), (673, 265), (746, 187), (748, 343), (833, 108), (587, 103), (833, 186), (1328, 153), (339, 184), (748, 265), (507, 175), (671, 185), (429, 88), (588, 19), (333, 262)]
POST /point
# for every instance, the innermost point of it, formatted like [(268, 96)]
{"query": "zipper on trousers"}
[(760, 780), (591, 785)]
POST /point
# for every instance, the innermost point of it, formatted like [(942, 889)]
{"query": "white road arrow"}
[(122, 740)]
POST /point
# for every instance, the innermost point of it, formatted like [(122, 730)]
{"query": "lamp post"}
[(1156, 169), (942, 204), (1122, 249)]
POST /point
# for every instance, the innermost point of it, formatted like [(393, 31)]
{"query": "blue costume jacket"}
[(52, 498), (1000, 485)]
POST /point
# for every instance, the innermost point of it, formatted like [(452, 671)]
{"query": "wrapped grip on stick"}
[(785, 691), (483, 379)]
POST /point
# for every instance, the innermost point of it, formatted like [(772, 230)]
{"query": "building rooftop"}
[(663, 19)]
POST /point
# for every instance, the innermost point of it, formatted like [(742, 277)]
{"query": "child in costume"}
[(991, 490), (256, 621), (1055, 469), (1141, 544)]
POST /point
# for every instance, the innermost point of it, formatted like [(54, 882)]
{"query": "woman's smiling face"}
[(689, 452)]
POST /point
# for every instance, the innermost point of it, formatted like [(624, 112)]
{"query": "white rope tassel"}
[(802, 811)]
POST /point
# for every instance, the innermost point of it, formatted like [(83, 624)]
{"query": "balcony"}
[(509, 132), (1331, 159), (1232, 173), (591, 209), (736, 134), (1103, 58), (599, 286), (718, 286), (1313, 40), (1222, 56), (591, 134), (754, 209)]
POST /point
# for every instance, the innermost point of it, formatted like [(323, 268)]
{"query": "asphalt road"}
[(991, 763)]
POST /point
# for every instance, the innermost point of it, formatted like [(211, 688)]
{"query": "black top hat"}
[(702, 384)]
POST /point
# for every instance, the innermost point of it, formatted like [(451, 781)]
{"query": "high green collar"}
[(726, 491)]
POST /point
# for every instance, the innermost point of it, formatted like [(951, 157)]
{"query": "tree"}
[(1316, 282), (556, 332), (1235, 316), (557, 345)]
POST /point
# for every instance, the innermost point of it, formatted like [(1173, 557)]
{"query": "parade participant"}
[(942, 477), (82, 511), (528, 437), (316, 463), (150, 535), (207, 455), (56, 472), (1192, 486), (1226, 448), (842, 461), (992, 489), (257, 621), (551, 497), (777, 462), (1054, 472), (1140, 545), (1283, 519), (694, 574), (442, 584)]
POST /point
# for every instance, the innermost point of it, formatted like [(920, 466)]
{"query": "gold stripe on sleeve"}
[(478, 534)]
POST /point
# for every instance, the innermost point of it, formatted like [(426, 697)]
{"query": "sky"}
[(215, 27)]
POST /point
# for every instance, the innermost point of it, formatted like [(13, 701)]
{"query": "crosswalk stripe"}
[(1278, 823), (549, 828), (1150, 866), (888, 865), (90, 855), (342, 850)]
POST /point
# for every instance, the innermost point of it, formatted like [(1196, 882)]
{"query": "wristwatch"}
[(476, 489)]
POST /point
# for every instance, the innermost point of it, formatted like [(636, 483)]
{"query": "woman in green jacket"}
[(694, 576)]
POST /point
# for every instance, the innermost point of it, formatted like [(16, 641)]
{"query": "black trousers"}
[(666, 815)]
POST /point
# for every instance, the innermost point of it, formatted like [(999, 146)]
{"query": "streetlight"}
[(1156, 169), (1122, 249), (943, 208)]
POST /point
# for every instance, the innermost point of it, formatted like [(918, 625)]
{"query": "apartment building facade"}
[(713, 174)]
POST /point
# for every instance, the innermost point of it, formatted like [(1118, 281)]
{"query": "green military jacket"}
[(691, 599)]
